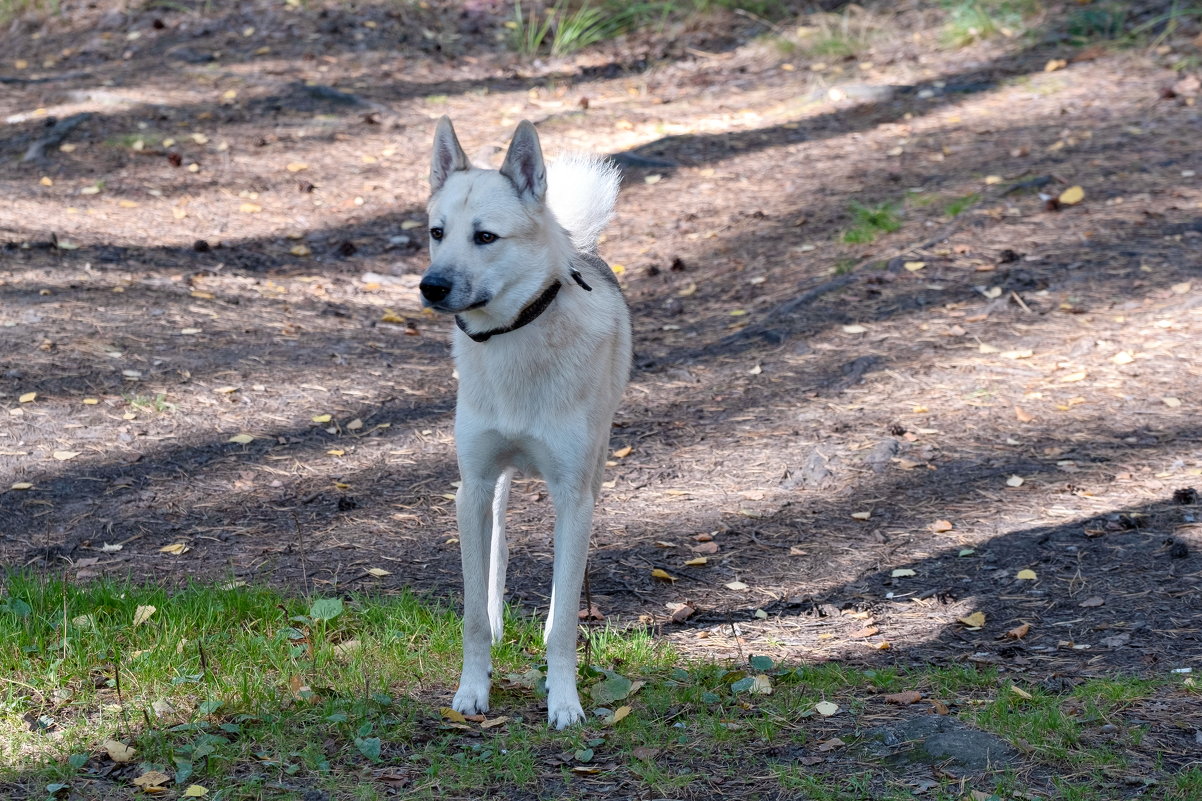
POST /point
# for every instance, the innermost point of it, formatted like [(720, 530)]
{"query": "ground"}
[(215, 364)]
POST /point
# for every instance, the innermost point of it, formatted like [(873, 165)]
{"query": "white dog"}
[(543, 354)]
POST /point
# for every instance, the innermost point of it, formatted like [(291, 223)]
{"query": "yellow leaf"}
[(826, 708), (175, 549), (242, 439), (854, 329), (761, 685), (735, 585), (63, 456), (322, 418), (617, 715), (300, 249), (226, 390), (1172, 403), (687, 291), (143, 613), (128, 204), (653, 179), (46, 181), (90, 401), (622, 453), (696, 561), (450, 714), (390, 316), (118, 751), (914, 266), (336, 452), (1071, 196), (488, 724), (250, 208), (1026, 575), (408, 225), (1122, 357), (663, 575), (28, 397), (902, 572), (1020, 692), (22, 485), (861, 515), (940, 526), (151, 778), (1055, 64), (1072, 378), (1015, 481), (975, 620), (195, 791), (618, 269), (378, 572), (990, 180)]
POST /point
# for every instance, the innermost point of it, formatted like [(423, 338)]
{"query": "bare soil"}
[(821, 414)]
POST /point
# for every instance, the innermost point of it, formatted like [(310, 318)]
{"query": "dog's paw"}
[(563, 712), (471, 698)]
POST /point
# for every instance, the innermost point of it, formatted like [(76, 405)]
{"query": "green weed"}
[(969, 21), (869, 222)]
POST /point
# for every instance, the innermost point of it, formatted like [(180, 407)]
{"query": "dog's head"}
[(489, 229)]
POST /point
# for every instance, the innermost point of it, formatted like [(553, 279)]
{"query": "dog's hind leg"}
[(499, 557), (473, 505)]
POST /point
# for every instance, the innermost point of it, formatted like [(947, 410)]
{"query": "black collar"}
[(527, 315)]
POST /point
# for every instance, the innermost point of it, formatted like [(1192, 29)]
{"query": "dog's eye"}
[(485, 237), (436, 233)]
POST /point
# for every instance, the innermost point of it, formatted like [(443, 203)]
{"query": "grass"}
[(254, 694), (969, 21), (11, 9), (833, 35), (870, 222)]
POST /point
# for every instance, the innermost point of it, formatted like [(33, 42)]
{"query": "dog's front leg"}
[(573, 526), (473, 506)]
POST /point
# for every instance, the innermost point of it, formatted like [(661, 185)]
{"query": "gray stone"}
[(938, 738)]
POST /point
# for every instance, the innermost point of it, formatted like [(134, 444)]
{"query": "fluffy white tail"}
[(581, 192)]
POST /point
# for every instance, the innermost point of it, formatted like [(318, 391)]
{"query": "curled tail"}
[(581, 192)]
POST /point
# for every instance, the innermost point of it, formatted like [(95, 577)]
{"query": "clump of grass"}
[(869, 222), (562, 29), (969, 21), (158, 403), (11, 9), (957, 206)]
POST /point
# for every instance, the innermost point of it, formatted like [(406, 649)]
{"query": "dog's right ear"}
[(448, 155)]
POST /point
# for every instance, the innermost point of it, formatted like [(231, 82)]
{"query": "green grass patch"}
[(969, 21), (870, 222), (254, 694), (957, 206)]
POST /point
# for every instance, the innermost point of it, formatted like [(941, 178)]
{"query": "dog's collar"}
[(527, 315)]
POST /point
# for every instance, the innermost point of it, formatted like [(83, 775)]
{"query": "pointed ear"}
[(524, 162), (448, 155)]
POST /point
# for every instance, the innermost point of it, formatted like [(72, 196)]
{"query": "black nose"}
[(435, 288)]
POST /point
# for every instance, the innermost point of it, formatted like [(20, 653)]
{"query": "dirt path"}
[(229, 245)]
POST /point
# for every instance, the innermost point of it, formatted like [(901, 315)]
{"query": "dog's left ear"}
[(524, 162)]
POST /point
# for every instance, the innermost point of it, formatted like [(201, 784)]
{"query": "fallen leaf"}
[(119, 751), (28, 397), (176, 549), (1071, 196), (826, 708), (1020, 692), (378, 572), (143, 613), (1018, 632), (1022, 416), (617, 715), (940, 526), (831, 744), (296, 166), (242, 439), (151, 778), (195, 791), (250, 208), (1072, 378), (663, 575), (322, 418), (861, 515), (1122, 357), (301, 249), (622, 453), (914, 266), (644, 752), (452, 715), (1092, 602), (63, 456), (854, 329), (735, 585), (392, 318), (903, 698), (1172, 403), (902, 572), (705, 548), (681, 613), (494, 722), (697, 561), (21, 485), (1026, 574), (1015, 481), (976, 620)]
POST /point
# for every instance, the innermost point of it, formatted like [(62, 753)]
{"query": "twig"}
[(55, 136)]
